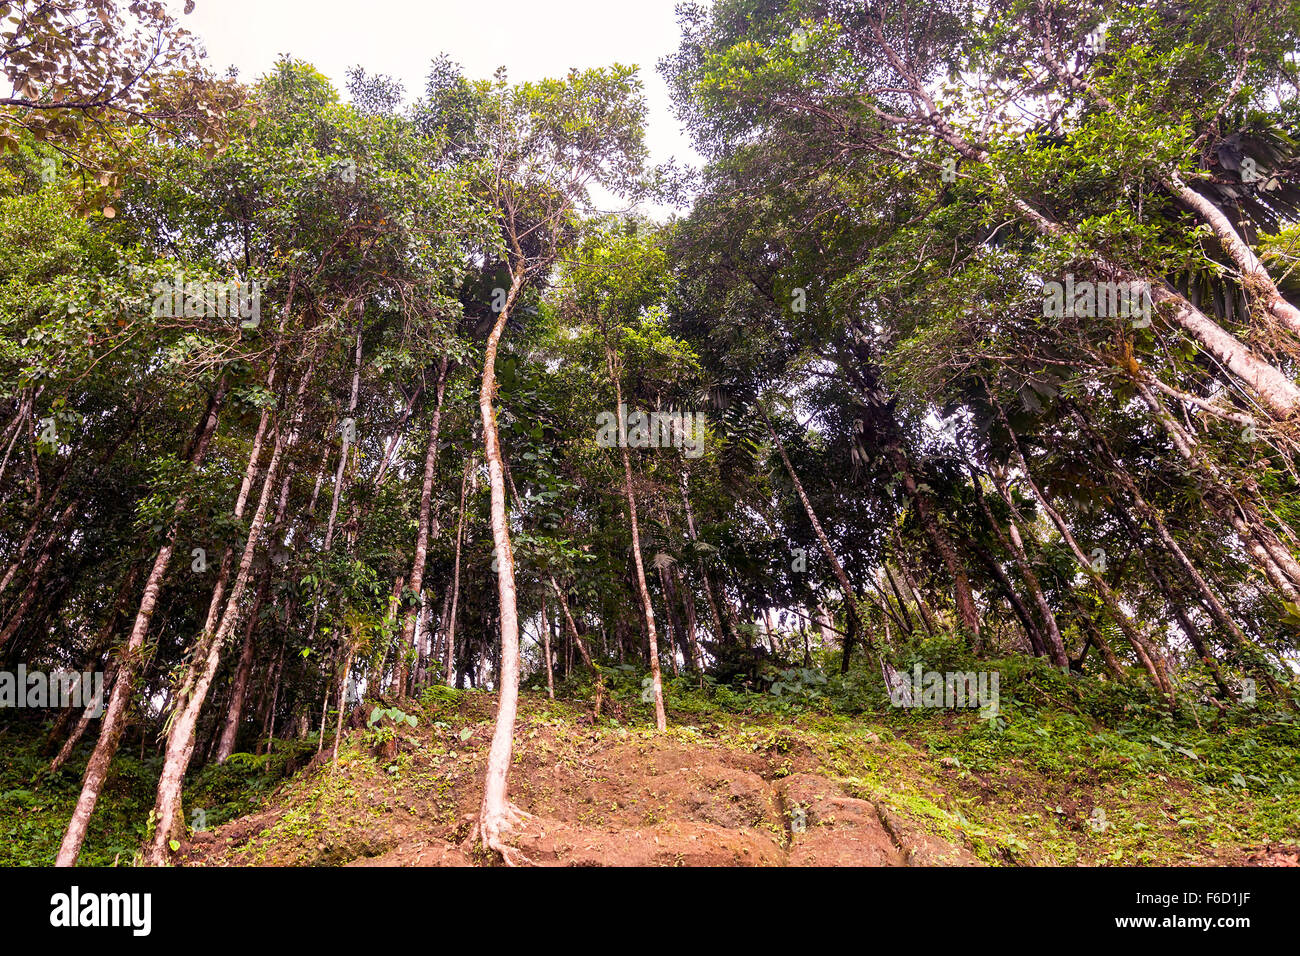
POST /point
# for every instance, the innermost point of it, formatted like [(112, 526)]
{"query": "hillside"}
[(1075, 773)]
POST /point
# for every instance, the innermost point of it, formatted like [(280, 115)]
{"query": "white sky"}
[(531, 38)]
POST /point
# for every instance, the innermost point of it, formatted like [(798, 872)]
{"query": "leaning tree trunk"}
[(829, 552), (1211, 600), (1278, 565), (113, 721), (339, 474), (965, 600), (193, 692), (1145, 652), (97, 649), (1055, 644), (576, 638), (239, 683), (719, 632)]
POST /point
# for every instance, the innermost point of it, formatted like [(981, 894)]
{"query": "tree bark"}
[(239, 683), (496, 815), (656, 681), (193, 691), (546, 651), (114, 717), (829, 553), (1145, 652), (455, 578), (428, 527), (1055, 644)]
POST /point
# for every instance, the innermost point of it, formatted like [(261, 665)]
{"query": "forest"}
[(920, 488)]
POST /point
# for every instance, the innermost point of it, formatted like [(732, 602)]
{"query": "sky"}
[(531, 38)]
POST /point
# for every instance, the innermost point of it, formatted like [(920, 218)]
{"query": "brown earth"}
[(595, 797), (713, 790)]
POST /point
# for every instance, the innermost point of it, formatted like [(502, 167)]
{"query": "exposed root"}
[(491, 831)]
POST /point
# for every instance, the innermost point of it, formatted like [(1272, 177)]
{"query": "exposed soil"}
[(596, 798), (742, 791)]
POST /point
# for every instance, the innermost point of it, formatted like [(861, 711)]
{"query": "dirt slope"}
[(597, 797)]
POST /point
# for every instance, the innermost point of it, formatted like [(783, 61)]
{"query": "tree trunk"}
[(546, 651), (656, 681), (496, 816), (829, 553), (114, 717), (428, 527), (967, 612), (1272, 561), (719, 632), (1055, 645), (1120, 474), (455, 578), (239, 683), (193, 692), (1145, 652), (207, 651), (1035, 638)]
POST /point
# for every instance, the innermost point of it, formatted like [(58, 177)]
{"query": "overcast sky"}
[(531, 38)]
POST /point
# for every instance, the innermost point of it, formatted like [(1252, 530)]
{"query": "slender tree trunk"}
[(336, 496), (576, 638), (1145, 652), (192, 694), (455, 578), (967, 612), (496, 815), (1211, 600), (1094, 632), (1035, 638), (688, 604), (239, 683), (720, 633), (193, 691), (656, 681), (24, 412), (428, 525), (674, 628), (829, 553), (395, 438), (546, 651), (1055, 644), (927, 622), (1272, 561), (343, 693), (268, 722), (114, 718)]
